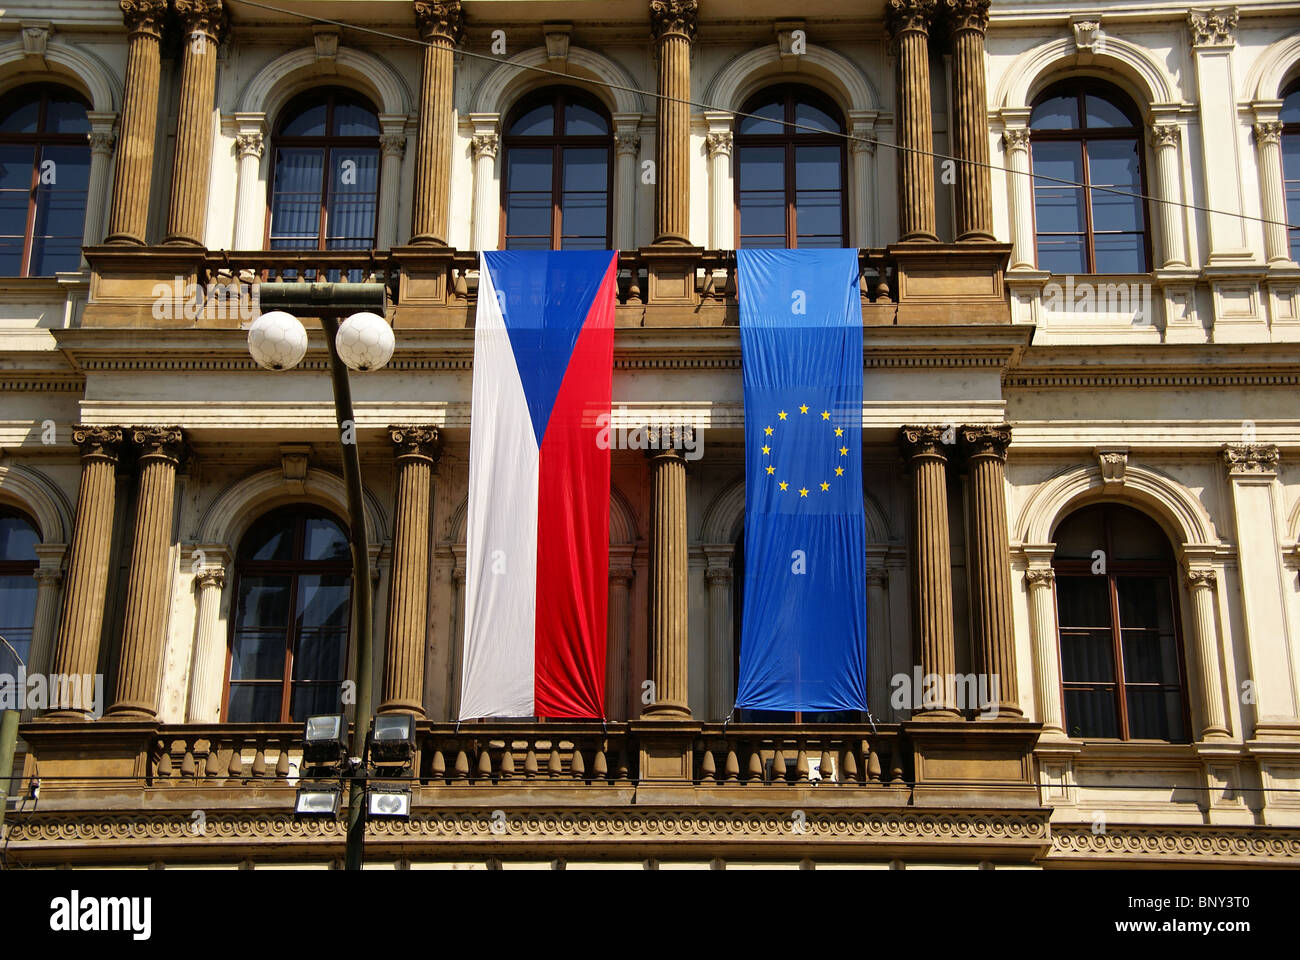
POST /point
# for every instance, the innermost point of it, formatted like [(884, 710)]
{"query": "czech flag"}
[(537, 541)]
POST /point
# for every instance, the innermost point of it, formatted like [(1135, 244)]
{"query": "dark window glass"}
[(1086, 149), (556, 187), (44, 181), (18, 540), (289, 632), (790, 171), (1291, 167), (1121, 659), (325, 183)]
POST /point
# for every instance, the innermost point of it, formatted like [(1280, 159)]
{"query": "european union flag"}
[(804, 623)]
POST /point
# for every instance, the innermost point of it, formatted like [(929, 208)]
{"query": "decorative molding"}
[(1113, 464), (966, 15), (294, 460), (1202, 578), (36, 39), (1207, 844), (627, 143), (205, 17), (923, 441), (1087, 34), (734, 82), (1213, 28), (325, 39), (495, 92), (101, 142), (1250, 459), (557, 37), (250, 145), (1105, 380), (210, 577)]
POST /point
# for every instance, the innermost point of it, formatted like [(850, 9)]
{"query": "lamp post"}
[(278, 341)]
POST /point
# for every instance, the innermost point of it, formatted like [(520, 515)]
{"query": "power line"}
[(712, 108)]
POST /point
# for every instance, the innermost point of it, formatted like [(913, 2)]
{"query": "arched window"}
[(1121, 654), (1087, 132), (18, 540), (289, 632), (1291, 165), (558, 172), (790, 167), (44, 179), (325, 181)]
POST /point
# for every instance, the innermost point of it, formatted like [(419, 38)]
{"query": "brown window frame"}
[(294, 569), (304, 101), (1113, 95), (1116, 569), (790, 138), (38, 140), (558, 97)]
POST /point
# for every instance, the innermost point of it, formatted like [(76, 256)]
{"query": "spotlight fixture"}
[(323, 739), (388, 801), (316, 800), (392, 738)]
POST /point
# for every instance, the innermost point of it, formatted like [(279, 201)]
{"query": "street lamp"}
[(278, 341)]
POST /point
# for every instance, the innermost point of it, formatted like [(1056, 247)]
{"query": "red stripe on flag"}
[(573, 525)]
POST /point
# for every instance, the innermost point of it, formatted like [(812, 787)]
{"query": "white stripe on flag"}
[(501, 533)]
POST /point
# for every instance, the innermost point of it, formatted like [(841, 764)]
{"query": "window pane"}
[(1062, 254), (350, 216), (1090, 712), (1103, 113), (537, 122), (1120, 253), (1135, 536), (11, 256), (18, 539), (251, 703), (766, 119), (1154, 714), (583, 215), (323, 600), (66, 116), (263, 603), (354, 120), (762, 168), (529, 215), (21, 114), (16, 162), (296, 200), (1056, 113), (529, 169), (816, 168), (313, 700), (325, 540), (257, 655), (65, 168), (763, 214), (51, 255), (309, 122), (1114, 163), (806, 115), (270, 538), (819, 214), (585, 168), (580, 121), (17, 613), (1291, 107)]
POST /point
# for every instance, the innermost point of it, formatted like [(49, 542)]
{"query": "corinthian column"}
[(969, 19), (415, 451), (130, 216), (250, 192), (441, 26), (186, 217), (1022, 197), (620, 583), (102, 138), (995, 635), (1268, 146), (1202, 584), (149, 579), (487, 208), (722, 200), (627, 147), (77, 647), (923, 449), (1042, 627), (672, 23), (1164, 137), (909, 25), (668, 600), (204, 704), (722, 688)]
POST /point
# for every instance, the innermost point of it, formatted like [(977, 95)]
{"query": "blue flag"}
[(803, 643)]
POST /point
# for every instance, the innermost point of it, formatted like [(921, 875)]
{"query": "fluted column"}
[(250, 192), (458, 631), (722, 698), (877, 640), (102, 138), (206, 681), (416, 450), (923, 448), (49, 577), (673, 25), (627, 148), (187, 215), (722, 199), (969, 19), (392, 147), (82, 619), (149, 579), (1164, 138), (1042, 628), (487, 206), (865, 188), (441, 26), (995, 633), (620, 583), (909, 24), (1268, 147), (668, 599), (1202, 584), (1022, 198), (135, 157)]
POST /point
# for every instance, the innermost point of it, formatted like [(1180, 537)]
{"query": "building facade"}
[(1078, 227)]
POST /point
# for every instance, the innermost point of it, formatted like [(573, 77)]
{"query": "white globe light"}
[(277, 340), (365, 341)]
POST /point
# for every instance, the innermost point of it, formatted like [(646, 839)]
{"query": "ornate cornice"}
[(904, 16), (159, 443), (674, 17), (1213, 28), (967, 15), (986, 441), (144, 16), (98, 443), (440, 20), (419, 441), (923, 441), (1250, 459), (1190, 844)]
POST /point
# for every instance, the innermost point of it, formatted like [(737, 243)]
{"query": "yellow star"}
[(783, 484), (766, 449), (839, 431), (826, 414), (804, 408), (771, 470), (825, 486), (839, 471), (844, 451), (803, 491), (781, 414), (768, 431)]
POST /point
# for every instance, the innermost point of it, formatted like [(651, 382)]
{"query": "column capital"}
[(1199, 578), (101, 142), (621, 574), (1250, 459), (144, 16), (201, 16), (909, 16), (1213, 28), (416, 442), (440, 20), (1016, 138), (250, 145), (877, 577), (210, 577), (52, 576), (98, 443), (718, 143), (1268, 131), (1165, 135), (986, 441), (627, 143), (1040, 577), (717, 576), (917, 442), (159, 443), (485, 145), (665, 441), (674, 17), (390, 144), (967, 15)]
